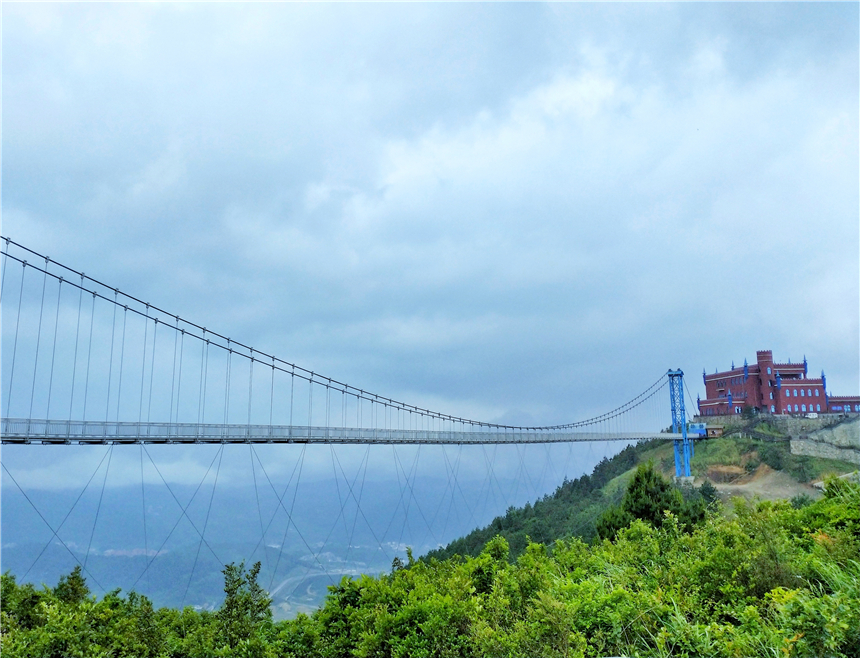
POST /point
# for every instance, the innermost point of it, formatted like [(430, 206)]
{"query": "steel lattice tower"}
[(683, 449)]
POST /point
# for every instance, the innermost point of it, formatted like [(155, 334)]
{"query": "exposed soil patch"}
[(723, 473), (764, 483)]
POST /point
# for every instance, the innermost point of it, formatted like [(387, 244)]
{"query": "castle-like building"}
[(777, 388)]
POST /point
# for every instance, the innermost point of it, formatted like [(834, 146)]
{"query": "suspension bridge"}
[(68, 354), (85, 363)]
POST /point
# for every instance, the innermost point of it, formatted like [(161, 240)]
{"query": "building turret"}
[(804, 366), (746, 370), (824, 386)]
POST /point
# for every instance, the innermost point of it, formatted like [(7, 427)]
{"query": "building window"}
[(809, 392), (803, 407), (795, 392), (772, 408), (795, 407), (737, 410), (816, 392), (818, 407), (802, 392), (771, 396), (768, 371)]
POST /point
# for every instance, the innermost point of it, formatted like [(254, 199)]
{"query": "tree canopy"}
[(768, 579)]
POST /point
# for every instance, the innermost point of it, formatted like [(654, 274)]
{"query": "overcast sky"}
[(511, 212)]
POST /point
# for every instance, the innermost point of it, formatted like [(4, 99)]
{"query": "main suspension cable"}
[(233, 347)]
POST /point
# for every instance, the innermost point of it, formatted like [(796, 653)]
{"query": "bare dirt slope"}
[(763, 483)]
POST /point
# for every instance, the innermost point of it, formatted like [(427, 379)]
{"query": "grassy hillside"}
[(573, 509)]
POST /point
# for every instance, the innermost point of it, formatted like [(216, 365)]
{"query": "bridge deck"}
[(24, 431)]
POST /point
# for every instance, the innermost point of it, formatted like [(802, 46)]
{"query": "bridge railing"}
[(21, 430)]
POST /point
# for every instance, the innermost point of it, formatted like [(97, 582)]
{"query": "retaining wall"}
[(840, 441), (793, 426)]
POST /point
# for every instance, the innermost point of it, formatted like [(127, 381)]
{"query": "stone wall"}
[(840, 441), (793, 426)]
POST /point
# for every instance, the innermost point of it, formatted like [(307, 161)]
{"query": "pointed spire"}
[(733, 364)]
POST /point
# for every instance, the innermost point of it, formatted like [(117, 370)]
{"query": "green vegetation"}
[(575, 508), (648, 498), (749, 452), (767, 428), (572, 510), (771, 579)]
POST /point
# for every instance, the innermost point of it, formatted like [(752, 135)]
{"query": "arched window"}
[(737, 410), (809, 392), (802, 392), (772, 408), (803, 407), (771, 396), (816, 392), (818, 407), (795, 407), (795, 392), (768, 371)]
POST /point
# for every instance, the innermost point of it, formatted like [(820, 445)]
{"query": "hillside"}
[(769, 579), (754, 461)]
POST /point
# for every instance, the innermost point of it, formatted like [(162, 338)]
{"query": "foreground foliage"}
[(769, 579)]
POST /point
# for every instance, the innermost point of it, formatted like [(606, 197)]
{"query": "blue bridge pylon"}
[(683, 446)]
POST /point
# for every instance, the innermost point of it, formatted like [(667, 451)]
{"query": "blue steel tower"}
[(679, 423)]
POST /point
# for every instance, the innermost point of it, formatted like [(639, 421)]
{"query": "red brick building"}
[(777, 388)]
